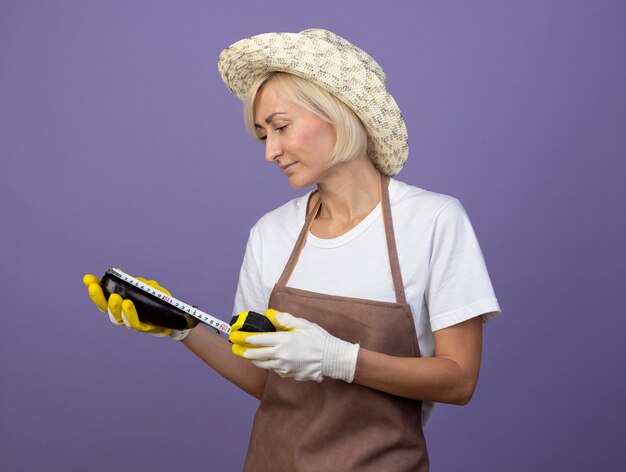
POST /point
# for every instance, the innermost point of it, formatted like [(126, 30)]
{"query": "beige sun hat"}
[(336, 65)]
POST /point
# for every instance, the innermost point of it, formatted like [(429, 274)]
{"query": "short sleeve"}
[(458, 286), (250, 294)]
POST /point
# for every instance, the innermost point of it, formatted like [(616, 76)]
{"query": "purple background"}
[(121, 146)]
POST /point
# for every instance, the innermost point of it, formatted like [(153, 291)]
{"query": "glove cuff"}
[(339, 360), (177, 335)]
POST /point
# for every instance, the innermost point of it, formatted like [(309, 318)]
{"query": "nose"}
[(273, 148)]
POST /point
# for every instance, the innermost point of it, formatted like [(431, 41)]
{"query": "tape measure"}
[(110, 284)]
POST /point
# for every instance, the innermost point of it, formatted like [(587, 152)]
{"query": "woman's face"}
[(298, 141)]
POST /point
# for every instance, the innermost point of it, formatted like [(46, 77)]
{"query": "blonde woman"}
[(378, 288)]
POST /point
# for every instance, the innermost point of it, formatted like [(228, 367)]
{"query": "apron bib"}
[(334, 425)]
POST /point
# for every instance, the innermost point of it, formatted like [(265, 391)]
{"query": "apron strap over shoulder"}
[(295, 254), (398, 284)]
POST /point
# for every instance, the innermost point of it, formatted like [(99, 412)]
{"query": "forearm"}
[(428, 378), (216, 352), (448, 377)]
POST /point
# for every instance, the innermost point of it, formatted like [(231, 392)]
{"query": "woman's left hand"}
[(300, 350)]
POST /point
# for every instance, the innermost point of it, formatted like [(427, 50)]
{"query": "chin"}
[(298, 183), (307, 178)]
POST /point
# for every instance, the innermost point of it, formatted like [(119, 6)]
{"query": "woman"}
[(378, 288)]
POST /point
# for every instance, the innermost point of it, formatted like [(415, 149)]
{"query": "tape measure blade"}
[(203, 317)]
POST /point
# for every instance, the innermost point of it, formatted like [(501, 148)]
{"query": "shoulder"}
[(409, 201), (282, 221)]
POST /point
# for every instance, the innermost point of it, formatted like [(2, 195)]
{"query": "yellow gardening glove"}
[(239, 338), (124, 312)]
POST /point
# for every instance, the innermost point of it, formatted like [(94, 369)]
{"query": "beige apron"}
[(334, 425)]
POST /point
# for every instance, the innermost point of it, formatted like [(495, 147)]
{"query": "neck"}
[(349, 191)]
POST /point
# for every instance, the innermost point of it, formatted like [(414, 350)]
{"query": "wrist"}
[(181, 335), (339, 360)]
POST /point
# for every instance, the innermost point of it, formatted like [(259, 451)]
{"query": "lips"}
[(287, 167)]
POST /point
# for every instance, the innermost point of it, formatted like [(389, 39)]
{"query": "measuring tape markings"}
[(193, 311)]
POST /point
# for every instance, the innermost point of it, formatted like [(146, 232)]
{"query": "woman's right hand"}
[(123, 311)]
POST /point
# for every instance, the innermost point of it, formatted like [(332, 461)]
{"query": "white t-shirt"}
[(443, 269)]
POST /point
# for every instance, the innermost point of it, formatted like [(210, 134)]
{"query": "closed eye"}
[(280, 128)]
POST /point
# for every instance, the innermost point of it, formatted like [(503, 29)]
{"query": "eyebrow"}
[(269, 119)]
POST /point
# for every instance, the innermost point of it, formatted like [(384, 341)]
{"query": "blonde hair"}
[(351, 137)]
